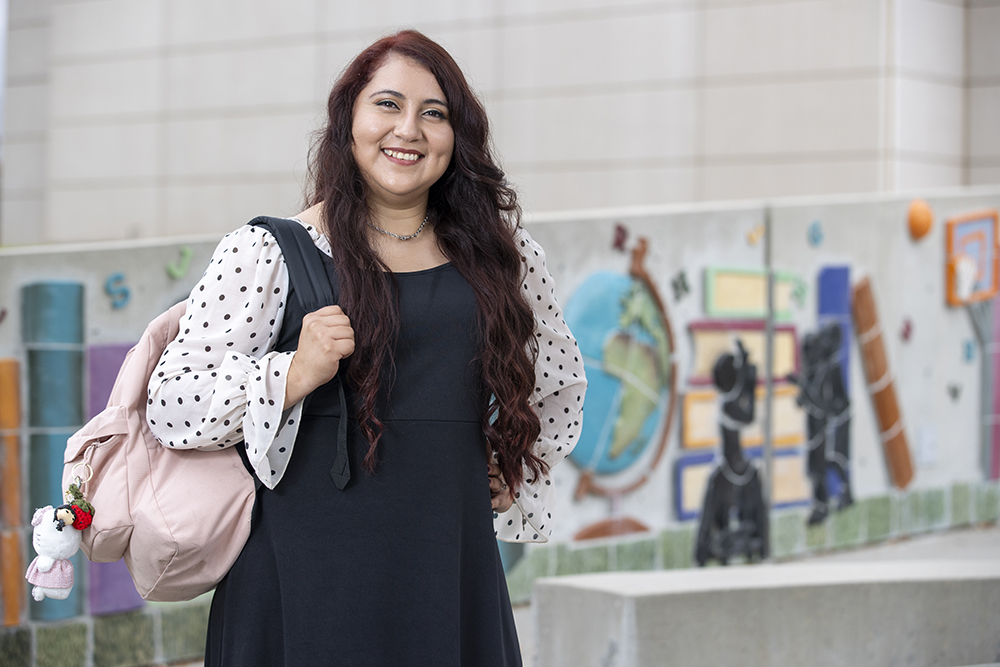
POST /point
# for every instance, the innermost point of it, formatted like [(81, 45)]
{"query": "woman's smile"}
[(401, 156)]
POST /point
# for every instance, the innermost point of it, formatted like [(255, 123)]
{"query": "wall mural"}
[(674, 434), (622, 327), (734, 517)]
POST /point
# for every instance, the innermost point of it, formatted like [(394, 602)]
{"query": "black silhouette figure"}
[(734, 518), (828, 417)]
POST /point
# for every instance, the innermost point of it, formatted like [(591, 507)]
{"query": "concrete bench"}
[(880, 614)]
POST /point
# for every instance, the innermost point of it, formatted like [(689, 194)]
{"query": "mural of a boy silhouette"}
[(828, 417), (734, 518)]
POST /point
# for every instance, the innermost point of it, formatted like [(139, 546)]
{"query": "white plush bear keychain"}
[(56, 537)]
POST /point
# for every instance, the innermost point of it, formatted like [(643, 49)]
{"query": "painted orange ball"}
[(921, 218)]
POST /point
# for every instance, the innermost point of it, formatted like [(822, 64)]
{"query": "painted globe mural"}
[(624, 335)]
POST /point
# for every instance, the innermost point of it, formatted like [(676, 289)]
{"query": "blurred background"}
[(816, 179), (142, 118)]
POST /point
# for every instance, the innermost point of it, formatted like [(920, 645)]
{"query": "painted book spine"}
[(52, 332), (880, 386), (12, 584)]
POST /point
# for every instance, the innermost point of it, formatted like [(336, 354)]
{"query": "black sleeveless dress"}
[(401, 567)]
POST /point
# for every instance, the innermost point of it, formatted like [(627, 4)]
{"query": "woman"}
[(465, 384)]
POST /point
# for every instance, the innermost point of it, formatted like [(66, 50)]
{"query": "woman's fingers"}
[(326, 338), (501, 495), (502, 501)]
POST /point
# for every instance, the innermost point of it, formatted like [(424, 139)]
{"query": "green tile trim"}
[(934, 506), (677, 547), (913, 516), (878, 512), (816, 536), (988, 502), (635, 556), (582, 560), (184, 628), (788, 533), (61, 645), (123, 640), (15, 648), (846, 526), (961, 497), (521, 578)]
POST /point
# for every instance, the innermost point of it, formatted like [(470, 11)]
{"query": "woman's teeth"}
[(411, 157)]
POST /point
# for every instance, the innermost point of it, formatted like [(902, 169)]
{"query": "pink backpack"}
[(179, 518)]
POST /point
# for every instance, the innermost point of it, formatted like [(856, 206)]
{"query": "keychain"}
[(56, 537)]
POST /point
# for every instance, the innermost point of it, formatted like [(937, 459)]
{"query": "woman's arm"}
[(560, 385), (219, 383)]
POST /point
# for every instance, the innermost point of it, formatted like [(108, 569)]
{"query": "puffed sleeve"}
[(560, 385), (219, 383)]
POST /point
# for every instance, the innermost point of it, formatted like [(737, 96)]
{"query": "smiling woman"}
[(403, 139), (454, 420)]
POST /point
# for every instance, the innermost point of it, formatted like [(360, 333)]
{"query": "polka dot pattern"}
[(219, 383), (560, 385)]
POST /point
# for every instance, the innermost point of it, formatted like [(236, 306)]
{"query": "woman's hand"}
[(502, 495), (325, 339)]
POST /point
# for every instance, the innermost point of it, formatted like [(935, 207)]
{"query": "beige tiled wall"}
[(983, 21), (22, 197), (154, 117)]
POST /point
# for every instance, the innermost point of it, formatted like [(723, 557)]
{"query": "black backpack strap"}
[(311, 283)]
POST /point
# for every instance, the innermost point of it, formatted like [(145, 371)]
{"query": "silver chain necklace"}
[(397, 236)]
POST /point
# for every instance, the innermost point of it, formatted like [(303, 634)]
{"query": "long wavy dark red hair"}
[(475, 214)]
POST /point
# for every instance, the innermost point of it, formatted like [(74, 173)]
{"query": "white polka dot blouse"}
[(221, 383)]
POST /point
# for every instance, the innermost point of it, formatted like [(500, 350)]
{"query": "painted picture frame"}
[(972, 261)]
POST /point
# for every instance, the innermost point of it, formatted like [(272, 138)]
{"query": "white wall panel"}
[(792, 178), (603, 188), (390, 15), (26, 109), (30, 160), (591, 128), (197, 21), (815, 116), (614, 50), (932, 37), (931, 117), (28, 53), (195, 209), (101, 214), (23, 220), (25, 11), (126, 152), (984, 41), (791, 37), (237, 146), (984, 122), (915, 175), (105, 27), (103, 88), (273, 76)]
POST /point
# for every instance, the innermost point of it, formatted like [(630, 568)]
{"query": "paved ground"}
[(970, 543)]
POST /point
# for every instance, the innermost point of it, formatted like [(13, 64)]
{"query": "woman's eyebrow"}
[(395, 93)]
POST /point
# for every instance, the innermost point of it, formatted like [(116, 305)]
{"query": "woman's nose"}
[(408, 127)]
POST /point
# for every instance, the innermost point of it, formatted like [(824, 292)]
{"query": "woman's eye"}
[(387, 103), (437, 113)]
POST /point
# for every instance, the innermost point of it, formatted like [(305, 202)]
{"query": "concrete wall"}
[(918, 613), (141, 118), (983, 26)]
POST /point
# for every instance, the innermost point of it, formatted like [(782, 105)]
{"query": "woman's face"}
[(403, 139)]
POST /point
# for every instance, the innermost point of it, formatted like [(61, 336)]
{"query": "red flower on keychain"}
[(77, 513)]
